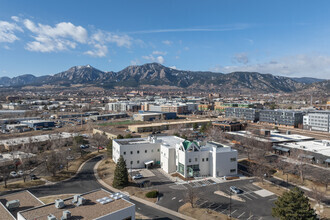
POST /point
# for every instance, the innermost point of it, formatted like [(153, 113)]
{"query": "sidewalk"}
[(169, 211)]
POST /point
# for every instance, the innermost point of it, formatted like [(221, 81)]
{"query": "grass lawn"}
[(20, 184), (200, 213), (73, 167), (296, 180), (106, 172)]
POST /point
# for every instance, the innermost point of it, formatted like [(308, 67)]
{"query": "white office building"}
[(174, 154), (317, 121)]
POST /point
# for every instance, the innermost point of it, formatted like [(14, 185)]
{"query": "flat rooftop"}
[(275, 137), (316, 146), (170, 140), (37, 121), (168, 123), (27, 201), (92, 209)]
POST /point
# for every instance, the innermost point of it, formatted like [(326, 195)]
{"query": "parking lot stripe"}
[(246, 197), (250, 194), (203, 203), (211, 205), (246, 189), (250, 217), (217, 207), (224, 210), (173, 198), (240, 215), (233, 212)]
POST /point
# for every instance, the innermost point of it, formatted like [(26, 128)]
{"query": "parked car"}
[(13, 174), (100, 148), (33, 177), (137, 176), (84, 146), (235, 190), (20, 172)]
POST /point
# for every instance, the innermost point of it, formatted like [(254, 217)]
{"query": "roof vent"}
[(59, 203), (66, 215), (81, 201), (51, 217), (75, 198), (13, 204)]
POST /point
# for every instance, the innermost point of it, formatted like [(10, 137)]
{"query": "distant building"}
[(122, 107), (151, 116), (39, 124), (229, 125), (282, 117), (248, 114), (317, 121), (108, 116)]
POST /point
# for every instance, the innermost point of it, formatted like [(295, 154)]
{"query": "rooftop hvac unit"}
[(51, 217), (66, 215), (13, 204), (75, 198), (81, 201), (59, 203)]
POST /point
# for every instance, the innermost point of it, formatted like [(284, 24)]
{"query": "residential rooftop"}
[(316, 146), (91, 209)]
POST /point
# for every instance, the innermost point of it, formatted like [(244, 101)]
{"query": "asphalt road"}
[(85, 181)]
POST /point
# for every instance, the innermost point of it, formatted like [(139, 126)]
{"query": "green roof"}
[(186, 144)]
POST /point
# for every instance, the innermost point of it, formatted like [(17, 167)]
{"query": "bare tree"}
[(5, 173), (259, 167), (191, 197), (53, 162), (99, 140)]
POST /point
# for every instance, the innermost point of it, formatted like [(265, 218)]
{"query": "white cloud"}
[(167, 42), (7, 31), (135, 62), (15, 18), (241, 58), (300, 65), (99, 51), (105, 37), (156, 52), (61, 37), (159, 59)]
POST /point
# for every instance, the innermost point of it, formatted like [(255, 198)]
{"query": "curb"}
[(169, 211)]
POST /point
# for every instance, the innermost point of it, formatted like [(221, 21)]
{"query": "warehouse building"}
[(39, 124), (106, 117)]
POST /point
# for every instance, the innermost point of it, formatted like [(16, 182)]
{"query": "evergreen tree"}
[(121, 175), (119, 136), (195, 126), (293, 205)]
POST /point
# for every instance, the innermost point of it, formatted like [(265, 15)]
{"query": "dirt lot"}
[(20, 185)]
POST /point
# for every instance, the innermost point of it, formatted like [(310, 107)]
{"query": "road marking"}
[(260, 218), (250, 194), (203, 203), (173, 198), (233, 212), (272, 199), (180, 200), (225, 210), (250, 217), (217, 207), (246, 197), (139, 208), (241, 215), (211, 205), (246, 189)]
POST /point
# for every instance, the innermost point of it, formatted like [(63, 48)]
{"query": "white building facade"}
[(175, 154), (318, 121)]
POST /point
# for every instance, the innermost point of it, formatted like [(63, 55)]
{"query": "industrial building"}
[(317, 121), (97, 204), (151, 116), (174, 154), (282, 117), (39, 124), (106, 117), (229, 125), (122, 107)]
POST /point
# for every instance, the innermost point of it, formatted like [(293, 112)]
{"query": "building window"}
[(233, 170), (195, 159), (189, 160), (207, 159), (157, 150), (152, 150), (202, 159), (131, 152), (131, 162), (138, 151), (138, 162), (146, 151), (124, 152), (233, 159)]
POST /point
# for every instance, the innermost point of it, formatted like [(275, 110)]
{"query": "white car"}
[(235, 190), (13, 174), (137, 176), (20, 172)]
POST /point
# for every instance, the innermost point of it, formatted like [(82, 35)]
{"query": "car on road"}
[(137, 176), (235, 190), (33, 177), (13, 174)]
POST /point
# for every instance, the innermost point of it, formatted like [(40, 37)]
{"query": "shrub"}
[(152, 194)]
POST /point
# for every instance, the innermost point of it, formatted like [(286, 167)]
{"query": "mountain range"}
[(154, 74)]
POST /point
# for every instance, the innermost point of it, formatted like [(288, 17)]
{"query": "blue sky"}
[(289, 38)]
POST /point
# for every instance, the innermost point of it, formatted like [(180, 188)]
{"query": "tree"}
[(99, 140), (109, 149), (293, 205), (53, 162), (128, 136), (195, 126), (119, 136), (121, 175)]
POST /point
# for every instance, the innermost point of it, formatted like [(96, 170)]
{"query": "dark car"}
[(33, 177)]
